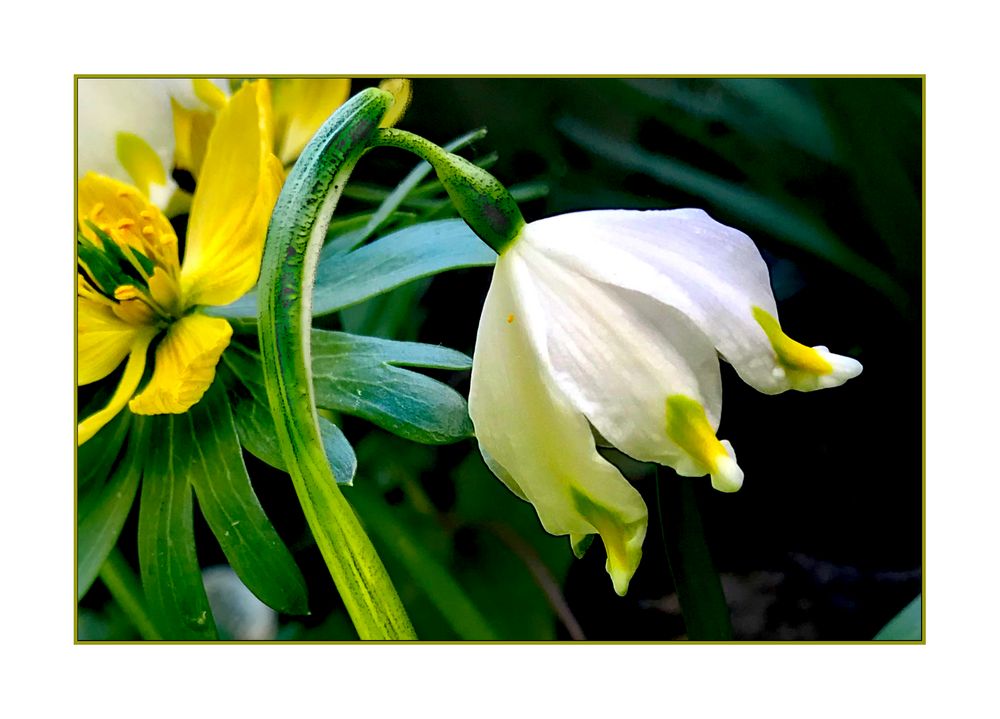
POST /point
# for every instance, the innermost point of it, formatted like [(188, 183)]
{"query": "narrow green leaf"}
[(787, 225), (403, 256), (227, 500), (343, 280), (427, 572), (168, 561), (905, 626), (361, 376), (101, 512)]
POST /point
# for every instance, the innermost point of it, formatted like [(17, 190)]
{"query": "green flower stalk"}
[(294, 240)]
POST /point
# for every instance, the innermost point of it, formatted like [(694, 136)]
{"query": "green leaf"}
[(361, 376), (168, 562), (905, 626), (227, 500), (395, 537), (255, 426), (103, 510), (343, 280), (788, 225), (339, 452), (403, 256)]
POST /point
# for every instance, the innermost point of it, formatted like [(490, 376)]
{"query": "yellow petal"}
[(238, 185), (103, 339), (126, 386), (185, 365), (401, 93), (209, 93), (301, 105), (192, 128)]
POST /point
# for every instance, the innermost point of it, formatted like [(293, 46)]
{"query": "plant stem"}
[(699, 590), (125, 590)]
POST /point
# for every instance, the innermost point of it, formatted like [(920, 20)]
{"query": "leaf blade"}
[(230, 506)]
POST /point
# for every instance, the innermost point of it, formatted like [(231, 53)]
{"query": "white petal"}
[(712, 273), (141, 107), (542, 446), (618, 355)]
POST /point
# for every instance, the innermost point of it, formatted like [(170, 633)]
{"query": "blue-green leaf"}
[(403, 256), (362, 376), (168, 561), (102, 510), (229, 504), (343, 280), (256, 427), (905, 626)]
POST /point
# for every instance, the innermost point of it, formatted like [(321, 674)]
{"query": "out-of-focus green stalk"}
[(699, 589)]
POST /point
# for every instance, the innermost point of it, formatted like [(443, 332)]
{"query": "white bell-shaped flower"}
[(614, 320)]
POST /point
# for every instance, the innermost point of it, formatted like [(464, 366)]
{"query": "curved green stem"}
[(288, 270), (485, 204), (699, 589)]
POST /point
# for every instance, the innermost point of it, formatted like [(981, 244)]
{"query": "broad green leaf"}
[(168, 562), (103, 509), (905, 626), (362, 376), (343, 280), (790, 226), (390, 530), (96, 457), (256, 428), (227, 500)]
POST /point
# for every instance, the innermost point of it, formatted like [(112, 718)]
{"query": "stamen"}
[(97, 209), (148, 231), (510, 318)]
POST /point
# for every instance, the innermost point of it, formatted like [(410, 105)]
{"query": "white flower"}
[(613, 321)]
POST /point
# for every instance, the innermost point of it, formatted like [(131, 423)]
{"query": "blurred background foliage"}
[(824, 541)]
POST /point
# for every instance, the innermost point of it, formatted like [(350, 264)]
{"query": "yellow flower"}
[(132, 286)]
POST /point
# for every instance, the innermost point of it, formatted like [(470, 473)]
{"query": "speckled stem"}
[(485, 205), (288, 271)]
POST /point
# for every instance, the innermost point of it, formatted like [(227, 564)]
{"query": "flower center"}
[(128, 255)]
